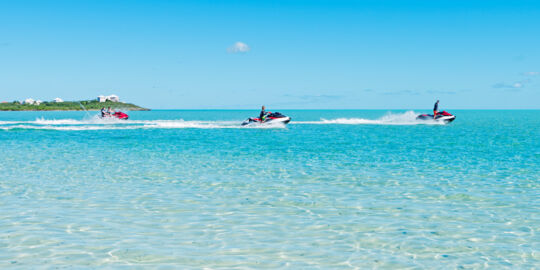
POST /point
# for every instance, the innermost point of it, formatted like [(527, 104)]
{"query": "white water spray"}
[(85, 110)]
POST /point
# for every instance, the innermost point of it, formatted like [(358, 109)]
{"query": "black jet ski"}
[(443, 116), (271, 118)]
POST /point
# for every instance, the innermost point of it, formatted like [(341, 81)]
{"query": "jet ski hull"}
[(270, 119), (256, 121)]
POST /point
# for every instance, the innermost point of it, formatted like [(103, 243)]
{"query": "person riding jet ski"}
[(267, 118), (435, 109), (262, 115), (443, 116), (103, 112)]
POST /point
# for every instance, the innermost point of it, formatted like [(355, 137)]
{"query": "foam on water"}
[(407, 118), (97, 123), (49, 127)]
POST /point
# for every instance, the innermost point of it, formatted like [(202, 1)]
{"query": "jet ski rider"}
[(436, 109), (262, 115), (103, 112)]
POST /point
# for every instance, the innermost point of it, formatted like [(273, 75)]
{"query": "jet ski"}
[(271, 118), (117, 115), (443, 116)]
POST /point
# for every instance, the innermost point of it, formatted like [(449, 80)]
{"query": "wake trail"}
[(115, 124), (97, 123), (406, 118)]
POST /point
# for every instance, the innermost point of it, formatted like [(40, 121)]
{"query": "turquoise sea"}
[(333, 189)]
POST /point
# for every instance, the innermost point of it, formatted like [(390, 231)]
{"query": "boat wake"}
[(97, 123), (406, 118), (116, 124)]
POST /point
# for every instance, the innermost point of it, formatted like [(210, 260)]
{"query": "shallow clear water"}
[(333, 189)]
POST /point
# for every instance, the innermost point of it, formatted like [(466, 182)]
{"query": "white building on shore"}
[(58, 100), (29, 101), (113, 98)]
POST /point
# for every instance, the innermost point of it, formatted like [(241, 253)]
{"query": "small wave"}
[(26, 127), (208, 124), (41, 121), (8, 122)]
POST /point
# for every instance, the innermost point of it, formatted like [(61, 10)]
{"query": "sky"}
[(283, 54)]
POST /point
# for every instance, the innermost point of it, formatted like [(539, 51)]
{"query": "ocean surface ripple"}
[(331, 190)]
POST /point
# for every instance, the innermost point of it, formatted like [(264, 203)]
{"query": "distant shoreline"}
[(90, 110), (83, 105)]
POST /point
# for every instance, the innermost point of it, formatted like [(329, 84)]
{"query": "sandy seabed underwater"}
[(333, 189)]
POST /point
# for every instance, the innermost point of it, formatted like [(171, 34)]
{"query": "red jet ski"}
[(121, 115), (117, 115)]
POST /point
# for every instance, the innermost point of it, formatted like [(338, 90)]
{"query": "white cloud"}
[(532, 73), (516, 85), (239, 47)]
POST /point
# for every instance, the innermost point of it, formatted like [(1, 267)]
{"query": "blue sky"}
[(293, 54)]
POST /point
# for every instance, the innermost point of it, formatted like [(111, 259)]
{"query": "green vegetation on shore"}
[(90, 105)]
